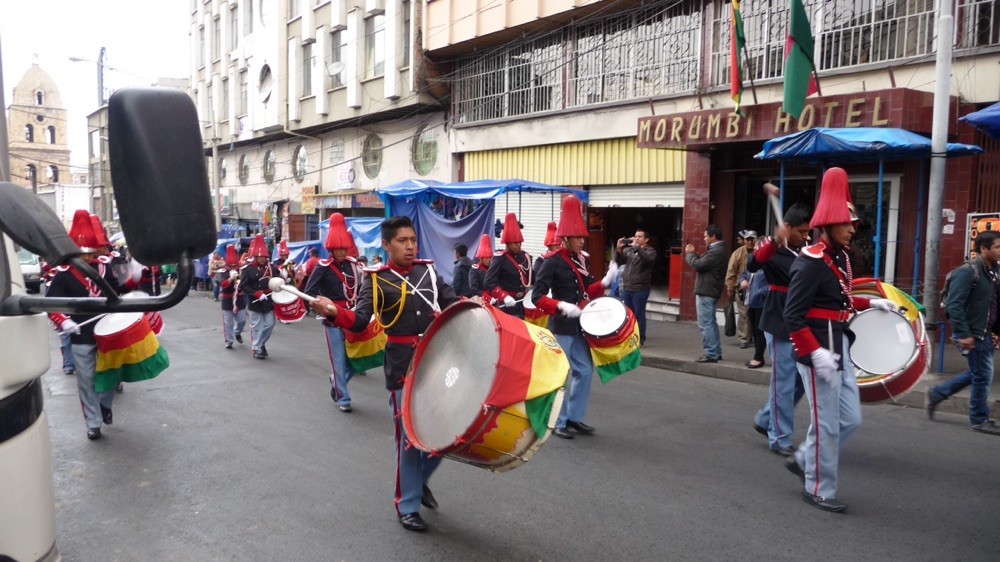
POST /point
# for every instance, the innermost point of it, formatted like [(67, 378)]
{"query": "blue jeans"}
[(581, 365), (413, 466), (709, 326), (342, 373), (785, 391), (979, 377), (69, 365), (636, 300)]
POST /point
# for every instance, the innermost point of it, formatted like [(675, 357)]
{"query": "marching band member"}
[(552, 245), (404, 295), (285, 266), (68, 281), (774, 257), (817, 309), (509, 276), (253, 283), (572, 286), (337, 280), (477, 275), (234, 314)]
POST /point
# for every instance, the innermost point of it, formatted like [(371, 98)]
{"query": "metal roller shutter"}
[(639, 195), (534, 210)]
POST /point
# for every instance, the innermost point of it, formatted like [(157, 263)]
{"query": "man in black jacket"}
[(460, 274), (638, 258), (708, 285)]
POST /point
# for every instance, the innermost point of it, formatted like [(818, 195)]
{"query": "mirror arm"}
[(22, 304), (106, 289)]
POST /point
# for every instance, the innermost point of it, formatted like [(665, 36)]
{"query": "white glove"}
[(825, 365), (884, 304), (569, 309), (509, 301), (69, 327), (610, 275), (233, 274)]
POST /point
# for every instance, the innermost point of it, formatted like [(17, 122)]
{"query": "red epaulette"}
[(424, 262), (476, 266), (325, 263), (814, 251), (548, 255), (498, 253), (376, 269), (104, 259), (61, 268)]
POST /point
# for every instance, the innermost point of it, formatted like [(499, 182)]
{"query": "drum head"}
[(885, 343), (116, 322), (603, 316), (453, 376), (283, 297)]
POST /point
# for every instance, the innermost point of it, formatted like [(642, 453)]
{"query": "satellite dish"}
[(335, 68)]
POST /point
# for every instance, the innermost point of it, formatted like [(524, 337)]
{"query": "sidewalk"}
[(676, 345)]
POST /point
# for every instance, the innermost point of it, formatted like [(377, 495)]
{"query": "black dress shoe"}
[(106, 415), (263, 350), (562, 433), (239, 338), (347, 409), (229, 345), (784, 451), (579, 427), (259, 356), (793, 466), (428, 499), (94, 433), (707, 359), (760, 430), (826, 504), (413, 522)]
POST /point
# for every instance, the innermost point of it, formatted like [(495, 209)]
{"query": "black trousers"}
[(759, 343)]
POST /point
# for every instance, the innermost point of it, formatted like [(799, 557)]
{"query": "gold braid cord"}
[(376, 297)]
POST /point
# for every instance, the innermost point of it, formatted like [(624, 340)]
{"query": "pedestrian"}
[(817, 311), (572, 286), (234, 314), (68, 281), (710, 268), (254, 278), (638, 258), (409, 293), (217, 272), (477, 273), (972, 306), (774, 258), (509, 275), (337, 279), (737, 265), (460, 275), (754, 286)]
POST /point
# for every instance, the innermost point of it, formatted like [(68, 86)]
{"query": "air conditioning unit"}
[(374, 7)]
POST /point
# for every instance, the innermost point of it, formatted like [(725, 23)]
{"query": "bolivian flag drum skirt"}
[(365, 350), (484, 387), (127, 350), (613, 335)]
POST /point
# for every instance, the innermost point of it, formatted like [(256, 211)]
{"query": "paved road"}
[(227, 458)]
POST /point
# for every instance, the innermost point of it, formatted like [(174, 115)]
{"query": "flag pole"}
[(753, 89)]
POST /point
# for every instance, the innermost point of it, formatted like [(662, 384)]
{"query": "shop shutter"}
[(639, 195)]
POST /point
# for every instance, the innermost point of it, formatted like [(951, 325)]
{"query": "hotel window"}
[(307, 67), (375, 46)]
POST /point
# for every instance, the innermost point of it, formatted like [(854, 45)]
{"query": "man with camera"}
[(638, 258)]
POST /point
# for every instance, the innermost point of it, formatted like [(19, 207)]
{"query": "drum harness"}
[(400, 305), (524, 272), (844, 278)]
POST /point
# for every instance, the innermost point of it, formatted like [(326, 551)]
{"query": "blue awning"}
[(862, 144), (986, 120), (480, 189)]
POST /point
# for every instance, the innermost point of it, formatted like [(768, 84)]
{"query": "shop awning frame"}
[(986, 120)]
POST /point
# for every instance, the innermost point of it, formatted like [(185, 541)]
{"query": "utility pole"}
[(215, 167), (939, 140), (4, 149)]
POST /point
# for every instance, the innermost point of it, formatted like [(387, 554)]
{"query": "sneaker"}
[(988, 426), (69, 372), (346, 409), (229, 345), (931, 403)]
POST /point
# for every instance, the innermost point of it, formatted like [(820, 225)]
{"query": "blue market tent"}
[(827, 146), (366, 232), (986, 120), (439, 234), (299, 251)]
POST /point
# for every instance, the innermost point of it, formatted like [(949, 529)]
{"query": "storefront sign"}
[(980, 222), (901, 108), (308, 199), (367, 201)]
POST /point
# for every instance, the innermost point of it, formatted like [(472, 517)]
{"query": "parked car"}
[(31, 270)]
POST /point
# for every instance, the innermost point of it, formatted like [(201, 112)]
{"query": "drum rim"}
[(281, 300), (111, 316), (612, 332), (882, 376)]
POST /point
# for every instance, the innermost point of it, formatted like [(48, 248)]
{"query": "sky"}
[(145, 39)]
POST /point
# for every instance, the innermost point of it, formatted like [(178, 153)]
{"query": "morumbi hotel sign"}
[(898, 108)]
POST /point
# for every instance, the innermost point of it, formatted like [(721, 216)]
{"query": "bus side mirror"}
[(159, 175)]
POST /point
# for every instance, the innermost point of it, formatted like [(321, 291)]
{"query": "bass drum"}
[(484, 387)]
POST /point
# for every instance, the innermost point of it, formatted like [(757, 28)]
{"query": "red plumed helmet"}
[(258, 248), (550, 235), (571, 218), (283, 249), (511, 230), (232, 258), (82, 232), (485, 247), (99, 232), (338, 238), (834, 205)]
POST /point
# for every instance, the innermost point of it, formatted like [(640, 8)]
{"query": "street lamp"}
[(100, 74)]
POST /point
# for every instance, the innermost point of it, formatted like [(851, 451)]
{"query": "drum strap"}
[(92, 289), (416, 291), (579, 276), (523, 272), (844, 277)]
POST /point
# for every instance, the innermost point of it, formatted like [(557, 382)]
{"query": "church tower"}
[(37, 130)]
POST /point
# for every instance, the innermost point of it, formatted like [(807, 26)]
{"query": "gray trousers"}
[(85, 356), (232, 324)]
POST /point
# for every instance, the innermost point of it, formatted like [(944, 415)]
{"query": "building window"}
[(307, 67), (248, 22), (244, 88), (31, 174), (299, 162), (225, 98), (201, 45), (264, 83), (222, 168), (51, 134), (423, 151), (39, 98), (269, 166), (336, 66), (371, 155), (375, 46), (210, 100), (29, 133), (406, 34), (217, 38), (52, 174), (337, 153), (234, 29), (244, 170), (293, 9)]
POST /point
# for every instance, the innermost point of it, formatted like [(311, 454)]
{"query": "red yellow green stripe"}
[(365, 350), (615, 358)]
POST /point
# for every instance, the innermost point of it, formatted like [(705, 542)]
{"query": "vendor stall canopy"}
[(986, 120), (860, 144)]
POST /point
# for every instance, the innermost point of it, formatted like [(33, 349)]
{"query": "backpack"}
[(947, 283)]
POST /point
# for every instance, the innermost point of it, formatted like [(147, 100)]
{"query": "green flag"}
[(737, 42), (799, 69)]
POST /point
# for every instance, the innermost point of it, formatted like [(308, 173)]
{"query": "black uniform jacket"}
[(230, 295), (509, 275), (337, 281), (412, 321), (776, 262), (566, 276), (253, 283), (69, 282), (477, 281)]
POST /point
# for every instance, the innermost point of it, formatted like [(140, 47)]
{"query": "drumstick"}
[(773, 192), (85, 322), (278, 284)]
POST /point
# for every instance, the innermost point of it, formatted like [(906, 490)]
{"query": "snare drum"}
[(484, 387), (534, 315), (883, 352), (288, 308), (154, 318), (127, 351), (613, 334)]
